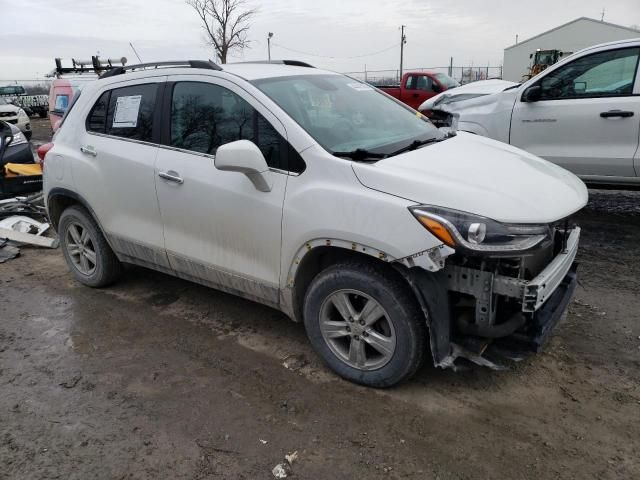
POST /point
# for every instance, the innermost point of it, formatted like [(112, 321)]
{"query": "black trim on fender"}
[(63, 192), (430, 288)]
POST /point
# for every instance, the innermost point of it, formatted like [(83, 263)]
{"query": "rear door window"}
[(126, 112), (130, 112)]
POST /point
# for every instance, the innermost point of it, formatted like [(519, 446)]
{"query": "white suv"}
[(316, 194)]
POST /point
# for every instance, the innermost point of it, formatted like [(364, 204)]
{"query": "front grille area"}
[(7, 114)]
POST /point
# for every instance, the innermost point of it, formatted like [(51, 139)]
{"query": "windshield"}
[(446, 80), (343, 114)]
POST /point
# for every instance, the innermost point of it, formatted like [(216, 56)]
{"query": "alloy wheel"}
[(357, 329), (80, 248)]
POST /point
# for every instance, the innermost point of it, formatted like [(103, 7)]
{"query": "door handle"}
[(171, 176), (89, 150), (616, 113)]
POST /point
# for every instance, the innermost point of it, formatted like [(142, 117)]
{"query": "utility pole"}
[(403, 40), (602, 17), (269, 44)]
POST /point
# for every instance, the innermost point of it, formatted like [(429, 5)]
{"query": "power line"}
[(329, 56)]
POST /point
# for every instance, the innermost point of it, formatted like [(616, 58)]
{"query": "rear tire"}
[(364, 322), (86, 251)]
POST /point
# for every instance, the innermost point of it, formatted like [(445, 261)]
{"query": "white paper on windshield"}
[(127, 109), (361, 87)]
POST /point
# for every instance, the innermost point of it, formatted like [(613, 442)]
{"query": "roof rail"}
[(292, 63), (206, 64)]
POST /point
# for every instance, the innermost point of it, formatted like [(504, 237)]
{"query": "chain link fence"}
[(461, 74)]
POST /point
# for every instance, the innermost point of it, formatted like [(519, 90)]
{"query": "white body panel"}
[(576, 137), (511, 186), (569, 132), (215, 227)]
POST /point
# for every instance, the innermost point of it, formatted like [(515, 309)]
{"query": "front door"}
[(218, 228), (418, 89), (588, 116)]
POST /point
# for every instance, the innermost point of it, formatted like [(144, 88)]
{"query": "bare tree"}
[(225, 22)]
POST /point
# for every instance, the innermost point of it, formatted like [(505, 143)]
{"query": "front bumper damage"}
[(484, 337)]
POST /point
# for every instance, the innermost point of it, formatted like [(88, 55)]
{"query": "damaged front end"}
[(501, 301)]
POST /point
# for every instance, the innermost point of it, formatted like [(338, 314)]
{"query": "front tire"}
[(88, 255), (365, 324)]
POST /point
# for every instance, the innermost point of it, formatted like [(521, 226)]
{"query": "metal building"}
[(573, 36)]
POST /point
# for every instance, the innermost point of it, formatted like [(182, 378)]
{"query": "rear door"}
[(588, 116), (114, 168), (418, 89)]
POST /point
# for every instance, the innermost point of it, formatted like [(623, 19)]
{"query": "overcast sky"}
[(33, 32)]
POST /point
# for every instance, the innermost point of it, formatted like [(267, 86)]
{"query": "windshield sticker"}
[(127, 109), (361, 87)]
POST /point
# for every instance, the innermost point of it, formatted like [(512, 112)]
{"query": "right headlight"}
[(477, 233)]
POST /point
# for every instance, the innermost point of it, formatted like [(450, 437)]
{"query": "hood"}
[(479, 175), (466, 92), (9, 108)]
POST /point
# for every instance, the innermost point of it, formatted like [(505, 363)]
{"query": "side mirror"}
[(532, 94), (579, 87), (436, 88), (6, 137), (245, 157)]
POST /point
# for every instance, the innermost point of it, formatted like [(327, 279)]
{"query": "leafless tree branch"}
[(225, 23)]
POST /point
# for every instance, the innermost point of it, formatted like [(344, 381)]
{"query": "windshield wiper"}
[(415, 145), (360, 154)]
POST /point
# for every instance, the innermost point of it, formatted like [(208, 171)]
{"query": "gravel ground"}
[(157, 377)]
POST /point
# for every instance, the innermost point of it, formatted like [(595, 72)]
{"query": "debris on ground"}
[(294, 362), (7, 252), (28, 238), (282, 470), (22, 224), (72, 382), (23, 221), (291, 457), (264, 442), (31, 206)]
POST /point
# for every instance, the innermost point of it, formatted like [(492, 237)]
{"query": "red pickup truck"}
[(416, 87)]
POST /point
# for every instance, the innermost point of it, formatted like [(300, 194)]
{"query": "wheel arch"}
[(59, 199), (315, 256), (429, 289)]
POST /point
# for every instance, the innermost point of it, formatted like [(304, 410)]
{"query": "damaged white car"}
[(581, 113), (322, 197)]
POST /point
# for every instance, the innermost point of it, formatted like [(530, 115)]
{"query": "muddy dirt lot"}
[(157, 377)]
